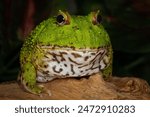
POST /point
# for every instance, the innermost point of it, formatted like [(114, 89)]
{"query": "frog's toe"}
[(40, 90), (34, 89), (49, 92), (37, 90), (45, 90)]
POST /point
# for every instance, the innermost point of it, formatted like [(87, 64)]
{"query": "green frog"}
[(65, 46)]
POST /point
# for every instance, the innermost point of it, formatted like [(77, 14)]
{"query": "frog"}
[(65, 46)]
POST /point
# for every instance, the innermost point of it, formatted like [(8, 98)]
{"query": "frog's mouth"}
[(67, 62)]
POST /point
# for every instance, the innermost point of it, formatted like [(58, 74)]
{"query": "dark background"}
[(126, 21)]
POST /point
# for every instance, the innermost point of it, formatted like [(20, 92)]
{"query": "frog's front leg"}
[(107, 72), (27, 78), (107, 60)]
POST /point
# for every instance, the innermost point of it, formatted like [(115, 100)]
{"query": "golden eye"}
[(97, 18), (60, 20), (63, 18)]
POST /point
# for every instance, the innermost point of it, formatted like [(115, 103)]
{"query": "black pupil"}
[(99, 18), (60, 19)]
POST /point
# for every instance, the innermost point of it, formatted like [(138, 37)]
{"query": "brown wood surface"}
[(92, 88)]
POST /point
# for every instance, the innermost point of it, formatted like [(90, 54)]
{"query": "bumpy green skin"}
[(79, 33)]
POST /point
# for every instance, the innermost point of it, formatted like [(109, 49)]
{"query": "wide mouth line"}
[(71, 48)]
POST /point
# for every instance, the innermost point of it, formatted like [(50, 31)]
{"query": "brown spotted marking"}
[(54, 69), (72, 70), (71, 60), (68, 62), (76, 55), (86, 58)]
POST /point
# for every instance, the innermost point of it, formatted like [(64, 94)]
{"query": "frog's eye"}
[(63, 18), (97, 18), (60, 19)]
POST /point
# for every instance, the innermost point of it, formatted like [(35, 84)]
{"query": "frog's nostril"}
[(75, 27)]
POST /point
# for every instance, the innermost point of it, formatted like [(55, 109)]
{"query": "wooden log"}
[(92, 88)]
